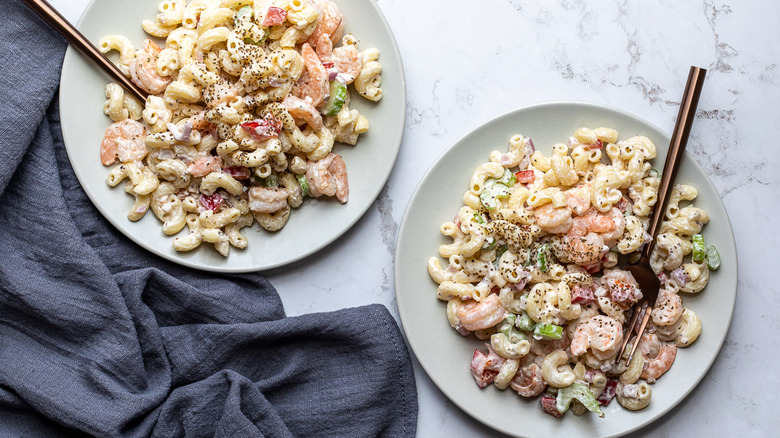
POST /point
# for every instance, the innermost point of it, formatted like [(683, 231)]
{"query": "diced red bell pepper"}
[(525, 176), (609, 392), (263, 129), (582, 295), (212, 202), (328, 64), (274, 17), (548, 406), (238, 172)]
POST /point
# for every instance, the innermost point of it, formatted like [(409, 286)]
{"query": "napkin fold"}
[(99, 337)]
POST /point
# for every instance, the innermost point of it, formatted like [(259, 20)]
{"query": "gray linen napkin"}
[(99, 337)]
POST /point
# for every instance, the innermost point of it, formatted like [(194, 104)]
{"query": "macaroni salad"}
[(533, 271), (246, 100)]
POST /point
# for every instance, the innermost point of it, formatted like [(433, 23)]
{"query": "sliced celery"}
[(578, 391), (548, 331), (713, 257), (699, 249), (525, 323), (304, 184), (338, 95), (507, 327)]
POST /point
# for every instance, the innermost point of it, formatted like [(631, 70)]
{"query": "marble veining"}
[(467, 62)]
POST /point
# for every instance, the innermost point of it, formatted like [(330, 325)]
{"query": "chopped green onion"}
[(338, 95), (699, 249), (250, 41), (479, 219), (525, 323), (490, 243), (500, 251), (271, 181), (548, 331), (508, 178), (303, 183), (243, 14), (578, 391), (542, 253), (491, 194), (713, 257)]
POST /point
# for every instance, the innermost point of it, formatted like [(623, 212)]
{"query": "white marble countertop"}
[(467, 62)]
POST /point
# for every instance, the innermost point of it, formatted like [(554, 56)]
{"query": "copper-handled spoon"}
[(648, 282), (80, 42)]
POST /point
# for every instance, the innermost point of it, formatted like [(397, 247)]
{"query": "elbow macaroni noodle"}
[(245, 94), (531, 264)]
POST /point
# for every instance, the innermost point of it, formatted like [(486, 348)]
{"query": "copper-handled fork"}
[(80, 42), (648, 282)]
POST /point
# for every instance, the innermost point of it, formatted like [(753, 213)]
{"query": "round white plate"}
[(311, 227), (445, 355)]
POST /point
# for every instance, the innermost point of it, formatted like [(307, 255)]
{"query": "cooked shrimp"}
[(482, 315), (608, 226), (328, 176), (578, 205), (649, 345), (668, 309), (268, 199), (313, 83), (125, 139), (199, 122), (303, 112), (582, 244), (143, 69), (597, 223), (323, 46), (623, 288), (528, 382), (581, 249), (218, 93), (205, 165), (553, 220), (600, 333), (611, 236), (331, 22), (659, 356), (345, 59), (578, 199)]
